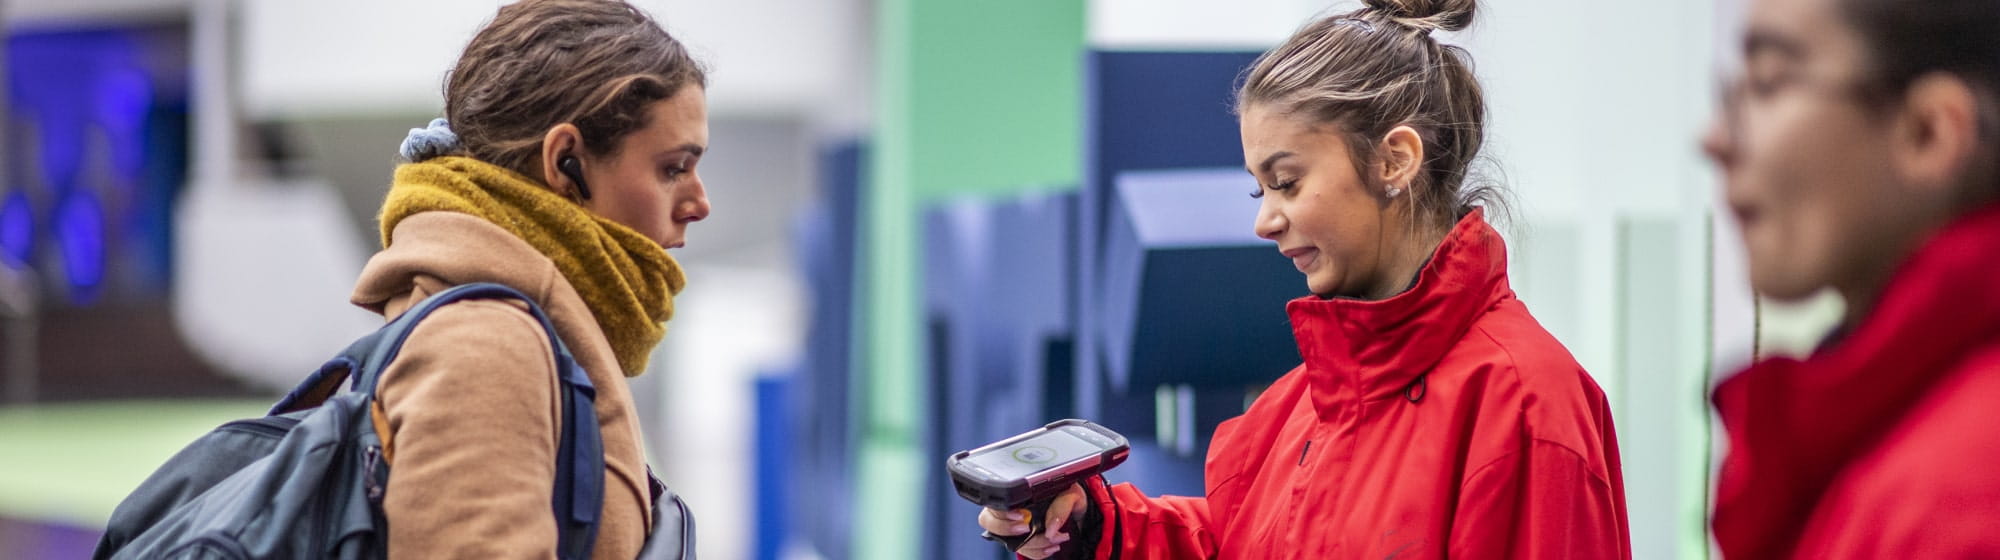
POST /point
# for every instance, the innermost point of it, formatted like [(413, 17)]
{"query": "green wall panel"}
[(972, 98)]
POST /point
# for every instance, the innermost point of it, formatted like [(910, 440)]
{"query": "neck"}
[(1859, 302), (1407, 259), (1869, 276)]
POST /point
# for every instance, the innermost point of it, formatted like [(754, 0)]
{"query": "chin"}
[(1321, 288), (1784, 285), (1778, 271)]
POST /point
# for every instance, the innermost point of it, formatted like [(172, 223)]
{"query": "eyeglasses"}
[(1739, 92)]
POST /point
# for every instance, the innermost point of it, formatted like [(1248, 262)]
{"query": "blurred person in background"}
[(1860, 152), (1433, 416), (565, 168)]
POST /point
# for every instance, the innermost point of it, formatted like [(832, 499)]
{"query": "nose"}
[(694, 207), (1722, 140), (1270, 222), (1718, 142)]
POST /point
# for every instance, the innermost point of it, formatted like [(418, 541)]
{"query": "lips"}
[(1302, 257)]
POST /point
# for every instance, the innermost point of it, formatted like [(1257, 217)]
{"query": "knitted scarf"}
[(627, 280)]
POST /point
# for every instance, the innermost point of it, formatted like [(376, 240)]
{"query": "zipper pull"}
[(369, 460)]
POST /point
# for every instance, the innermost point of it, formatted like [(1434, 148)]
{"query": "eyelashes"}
[(1280, 187), (674, 169)]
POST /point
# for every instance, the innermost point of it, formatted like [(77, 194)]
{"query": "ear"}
[(1937, 134), (1399, 157), (561, 140)]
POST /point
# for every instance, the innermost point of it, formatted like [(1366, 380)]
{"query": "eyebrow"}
[(691, 148), (1759, 41), (1270, 160)]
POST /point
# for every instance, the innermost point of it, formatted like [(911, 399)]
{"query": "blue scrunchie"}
[(429, 142)]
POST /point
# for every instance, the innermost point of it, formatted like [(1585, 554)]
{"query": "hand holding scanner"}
[(1029, 470)]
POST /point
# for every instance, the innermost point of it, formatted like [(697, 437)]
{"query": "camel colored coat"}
[(472, 400)]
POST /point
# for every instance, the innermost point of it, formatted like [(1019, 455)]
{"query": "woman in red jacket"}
[(1861, 153), (1433, 417)]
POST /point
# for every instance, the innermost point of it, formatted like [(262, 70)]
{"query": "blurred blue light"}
[(99, 120), (51, 83), (17, 227), (123, 98), (80, 232)]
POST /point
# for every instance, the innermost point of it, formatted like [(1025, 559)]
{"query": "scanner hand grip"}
[(1038, 510)]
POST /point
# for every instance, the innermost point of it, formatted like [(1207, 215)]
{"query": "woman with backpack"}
[(565, 168), (1433, 417)]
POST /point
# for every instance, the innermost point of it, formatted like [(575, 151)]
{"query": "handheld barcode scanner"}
[(1028, 471)]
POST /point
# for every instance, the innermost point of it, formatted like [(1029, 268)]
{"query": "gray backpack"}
[(307, 480)]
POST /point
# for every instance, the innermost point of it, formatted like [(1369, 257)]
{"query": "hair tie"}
[(429, 142), (1422, 26), (1363, 25)]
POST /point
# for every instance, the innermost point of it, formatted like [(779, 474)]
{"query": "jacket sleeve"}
[(1134, 526), (472, 408), (1543, 502)]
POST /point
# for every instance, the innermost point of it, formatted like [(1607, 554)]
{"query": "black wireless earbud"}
[(570, 167)]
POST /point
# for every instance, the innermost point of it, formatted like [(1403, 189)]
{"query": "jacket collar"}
[(1368, 350), (1794, 425)]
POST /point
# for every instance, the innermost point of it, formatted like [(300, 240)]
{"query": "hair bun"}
[(1429, 15)]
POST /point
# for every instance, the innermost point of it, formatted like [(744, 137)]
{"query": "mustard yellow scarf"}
[(627, 280)]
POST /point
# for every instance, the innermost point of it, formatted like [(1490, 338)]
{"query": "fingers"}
[(1011, 523), (1004, 523), (1045, 544), (1072, 503), (1068, 506), (1032, 551)]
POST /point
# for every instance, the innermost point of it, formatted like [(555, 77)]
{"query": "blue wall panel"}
[(1190, 294), (773, 462), (1142, 111), (996, 283), (823, 420), (957, 312)]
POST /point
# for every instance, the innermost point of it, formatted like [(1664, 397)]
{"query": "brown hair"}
[(1908, 39), (597, 64), (1373, 69)]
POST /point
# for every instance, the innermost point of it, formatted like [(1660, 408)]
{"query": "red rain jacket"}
[(1884, 444), (1440, 423)]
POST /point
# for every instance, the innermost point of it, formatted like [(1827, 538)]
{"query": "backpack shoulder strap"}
[(364, 360), (579, 485), (374, 357)]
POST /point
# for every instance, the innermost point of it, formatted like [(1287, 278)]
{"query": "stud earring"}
[(1395, 192)]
